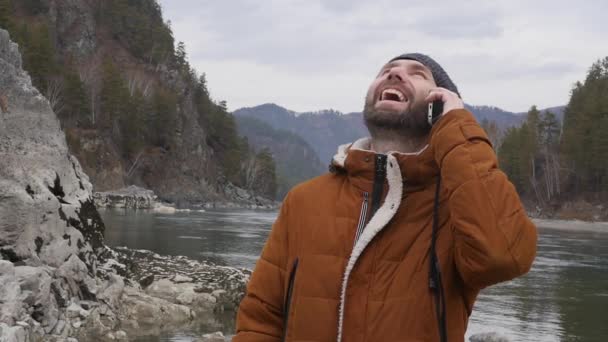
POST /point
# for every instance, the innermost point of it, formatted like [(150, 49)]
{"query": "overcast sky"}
[(308, 55)]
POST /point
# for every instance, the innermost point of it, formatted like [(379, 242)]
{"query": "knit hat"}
[(441, 77)]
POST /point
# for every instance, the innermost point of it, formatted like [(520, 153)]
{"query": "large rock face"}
[(49, 227), (45, 204)]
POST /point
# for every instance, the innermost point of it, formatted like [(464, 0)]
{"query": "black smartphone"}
[(435, 110)]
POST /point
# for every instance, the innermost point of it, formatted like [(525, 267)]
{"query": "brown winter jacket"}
[(330, 273)]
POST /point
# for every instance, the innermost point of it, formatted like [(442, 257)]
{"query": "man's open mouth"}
[(391, 94)]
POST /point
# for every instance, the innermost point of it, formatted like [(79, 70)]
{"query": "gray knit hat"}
[(441, 77)]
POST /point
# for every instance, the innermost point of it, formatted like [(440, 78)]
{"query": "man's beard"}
[(411, 122)]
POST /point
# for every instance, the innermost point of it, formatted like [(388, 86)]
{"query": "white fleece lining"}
[(380, 219), (364, 144)]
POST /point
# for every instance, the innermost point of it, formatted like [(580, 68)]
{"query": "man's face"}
[(395, 99)]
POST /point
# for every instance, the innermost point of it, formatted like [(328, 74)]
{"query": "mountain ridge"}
[(325, 130)]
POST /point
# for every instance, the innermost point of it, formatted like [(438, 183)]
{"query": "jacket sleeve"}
[(494, 240), (260, 314)]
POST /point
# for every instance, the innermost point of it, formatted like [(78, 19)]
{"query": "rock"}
[(73, 311), (12, 309), (13, 334), (166, 289), (131, 197), (488, 337), (43, 208), (23, 324), (75, 273), (113, 292), (59, 327), (218, 293), (146, 281), (146, 309), (6, 268), (100, 322), (206, 277), (213, 337), (49, 227), (35, 285), (121, 335), (186, 298), (203, 288), (163, 209), (87, 304), (181, 279)]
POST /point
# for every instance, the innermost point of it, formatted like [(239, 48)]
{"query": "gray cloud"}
[(323, 53)]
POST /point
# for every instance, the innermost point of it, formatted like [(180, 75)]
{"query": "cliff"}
[(133, 109)]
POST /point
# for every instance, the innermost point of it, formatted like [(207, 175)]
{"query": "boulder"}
[(488, 337)]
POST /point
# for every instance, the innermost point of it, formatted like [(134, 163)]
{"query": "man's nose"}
[(394, 74)]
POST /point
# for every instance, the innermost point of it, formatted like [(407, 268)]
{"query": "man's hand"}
[(450, 99)]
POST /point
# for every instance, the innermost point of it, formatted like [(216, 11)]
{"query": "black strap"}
[(435, 283)]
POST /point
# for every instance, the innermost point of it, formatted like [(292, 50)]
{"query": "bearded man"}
[(395, 243)]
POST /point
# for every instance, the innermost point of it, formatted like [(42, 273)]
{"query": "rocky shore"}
[(488, 337), (574, 210), (58, 281), (134, 197)]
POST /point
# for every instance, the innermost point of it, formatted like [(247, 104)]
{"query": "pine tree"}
[(39, 54), (265, 183), (35, 7), (181, 57), (584, 144), (6, 13), (114, 96), (76, 101), (163, 120)]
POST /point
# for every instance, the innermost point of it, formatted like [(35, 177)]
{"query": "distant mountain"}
[(323, 130), (295, 159), (502, 118), (326, 130)]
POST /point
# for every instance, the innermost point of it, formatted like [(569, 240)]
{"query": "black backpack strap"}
[(435, 283)]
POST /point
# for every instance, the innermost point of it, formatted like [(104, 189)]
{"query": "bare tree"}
[(251, 171), (134, 166), (54, 93), (88, 76), (135, 81)]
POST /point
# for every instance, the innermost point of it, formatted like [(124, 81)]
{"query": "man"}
[(396, 242)]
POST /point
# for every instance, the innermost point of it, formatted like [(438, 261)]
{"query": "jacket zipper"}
[(287, 305), (362, 217), (379, 177)]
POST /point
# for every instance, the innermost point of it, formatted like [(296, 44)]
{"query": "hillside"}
[(296, 160), (324, 131), (133, 109)]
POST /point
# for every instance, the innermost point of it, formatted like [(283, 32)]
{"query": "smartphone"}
[(435, 110)]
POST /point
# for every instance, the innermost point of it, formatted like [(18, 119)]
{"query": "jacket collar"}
[(418, 170)]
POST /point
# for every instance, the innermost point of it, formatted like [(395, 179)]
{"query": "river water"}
[(563, 298)]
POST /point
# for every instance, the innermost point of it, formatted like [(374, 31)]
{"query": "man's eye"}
[(383, 72), (420, 74)]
